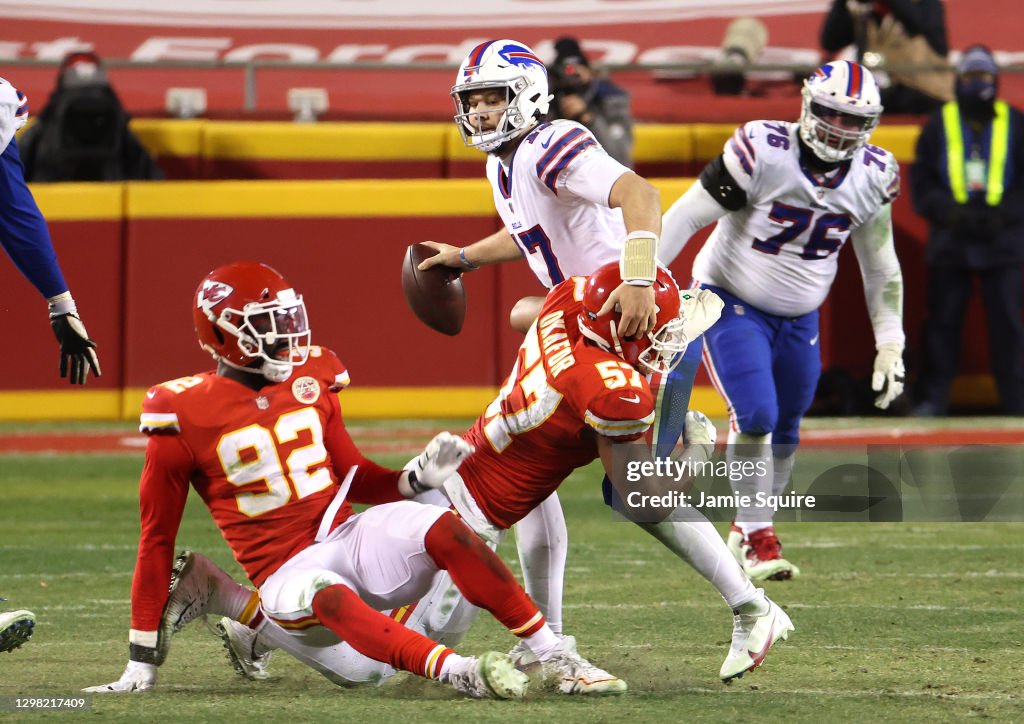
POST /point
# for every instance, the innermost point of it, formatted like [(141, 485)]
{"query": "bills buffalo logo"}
[(212, 293), (821, 74), (512, 53), (306, 390)]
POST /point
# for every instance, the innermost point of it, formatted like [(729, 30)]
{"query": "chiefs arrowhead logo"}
[(212, 293)]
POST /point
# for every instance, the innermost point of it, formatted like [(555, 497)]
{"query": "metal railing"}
[(250, 68)]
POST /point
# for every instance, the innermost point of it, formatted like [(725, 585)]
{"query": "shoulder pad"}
[(558, 148)]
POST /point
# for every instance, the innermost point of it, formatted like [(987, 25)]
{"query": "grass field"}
[(894, 622)]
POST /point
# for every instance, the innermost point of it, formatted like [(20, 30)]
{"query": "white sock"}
[(456, 663), (698, 543), (754, 453), (782, 473), (543, 542), (340, 663), (544, 644)]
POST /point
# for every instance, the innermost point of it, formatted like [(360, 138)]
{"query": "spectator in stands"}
[(581, 95), (895, 33), (968, 181), (82, 134), (25, 238)]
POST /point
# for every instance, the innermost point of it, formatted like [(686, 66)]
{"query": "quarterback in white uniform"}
[(787, 196), (569, 208)]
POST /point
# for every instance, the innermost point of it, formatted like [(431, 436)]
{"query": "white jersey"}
[(553, 198), (13, 112), (780, 252)]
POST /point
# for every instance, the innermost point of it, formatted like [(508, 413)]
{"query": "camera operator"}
[(600, 105)]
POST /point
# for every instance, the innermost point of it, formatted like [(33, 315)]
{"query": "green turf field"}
[(894, 622)]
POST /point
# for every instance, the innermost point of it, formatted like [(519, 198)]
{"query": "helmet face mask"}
[(248, 317), (656, 352), (841, 107), (494, 70)]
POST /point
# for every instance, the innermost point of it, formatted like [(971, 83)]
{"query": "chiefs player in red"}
[(577, 390), (263, 443)]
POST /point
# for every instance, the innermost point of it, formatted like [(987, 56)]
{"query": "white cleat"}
[(762, 558), (490, 676), (573, 674), (240, 642), (15, 629), (734, 542), (523, 657), (756, 626), (193, 583)]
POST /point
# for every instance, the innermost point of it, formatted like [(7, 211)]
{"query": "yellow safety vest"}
[(996, 153)]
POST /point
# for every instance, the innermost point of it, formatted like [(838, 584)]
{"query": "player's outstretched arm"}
[(438, 461), (493, 249)]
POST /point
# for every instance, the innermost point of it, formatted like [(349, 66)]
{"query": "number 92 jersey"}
[(260, 460), (561, 394), (780, 251)]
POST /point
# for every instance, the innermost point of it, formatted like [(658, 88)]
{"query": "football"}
[(436, 295)]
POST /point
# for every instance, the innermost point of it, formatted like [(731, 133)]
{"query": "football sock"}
[(782, 473), (698, 543), (373, 634), (751, 453), (484, 580), (544, 643), (543, 543)]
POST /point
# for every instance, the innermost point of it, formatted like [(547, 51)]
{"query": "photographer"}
[(600, 105)]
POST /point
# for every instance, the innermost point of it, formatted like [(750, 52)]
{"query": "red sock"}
[(481, 576), (373, 634)]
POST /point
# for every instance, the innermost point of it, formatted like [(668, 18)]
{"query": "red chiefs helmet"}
[(246, 312), (655, 352)]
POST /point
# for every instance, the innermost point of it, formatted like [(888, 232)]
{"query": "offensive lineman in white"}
[(787, 196)]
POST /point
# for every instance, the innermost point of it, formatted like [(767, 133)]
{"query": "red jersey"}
[(562, 393), (266, 462)]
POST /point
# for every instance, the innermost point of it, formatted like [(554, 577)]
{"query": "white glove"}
[(438, 461), (700, 309), (889, 374), (137, 676), (699, 430)]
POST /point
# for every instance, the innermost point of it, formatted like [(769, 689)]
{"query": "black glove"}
[(77, 351)]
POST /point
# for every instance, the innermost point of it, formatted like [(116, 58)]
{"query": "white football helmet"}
[(514, 69), (841, 107)]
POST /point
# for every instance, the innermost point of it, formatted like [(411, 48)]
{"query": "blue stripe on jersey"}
[(552, 152), (23, 232), (746, 144), (569, 157), (742, 157)]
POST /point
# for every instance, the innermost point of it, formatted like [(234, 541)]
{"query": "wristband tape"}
[(415, 485), (638, 264), (466, 262)]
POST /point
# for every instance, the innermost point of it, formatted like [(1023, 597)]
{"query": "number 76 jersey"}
[(780, 252)]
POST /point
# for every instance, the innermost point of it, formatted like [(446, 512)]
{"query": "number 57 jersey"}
[(562, 394), (780, 251)]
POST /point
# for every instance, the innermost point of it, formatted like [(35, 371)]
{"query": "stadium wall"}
[(133, 253)]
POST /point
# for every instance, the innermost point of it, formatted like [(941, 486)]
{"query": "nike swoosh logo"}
[(814, 339), (758, 656), (151, 394), (547, 143), (635, 399)]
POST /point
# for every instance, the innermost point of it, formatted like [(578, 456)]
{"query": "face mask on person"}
[(976, 96)]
